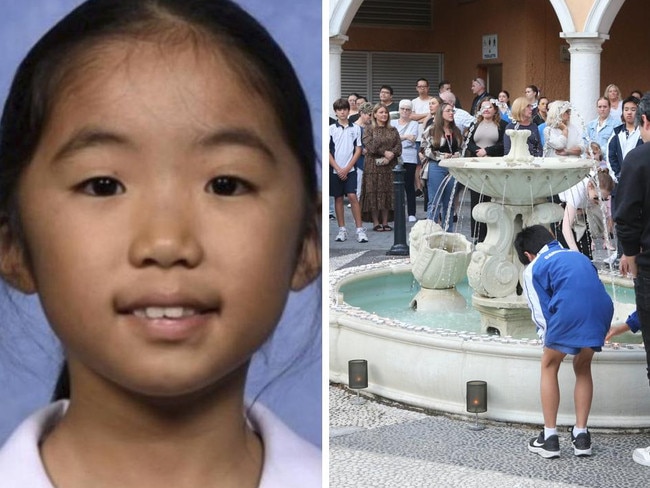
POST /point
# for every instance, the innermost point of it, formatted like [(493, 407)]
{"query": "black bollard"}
[(399, 246)]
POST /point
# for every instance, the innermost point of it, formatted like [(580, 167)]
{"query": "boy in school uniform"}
[(554, 280), (345, 150)]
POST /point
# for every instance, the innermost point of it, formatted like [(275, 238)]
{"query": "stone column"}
[(336, 43), (585, 49)]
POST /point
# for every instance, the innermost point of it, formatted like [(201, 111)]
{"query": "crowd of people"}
[(611, 203), (431, 128)]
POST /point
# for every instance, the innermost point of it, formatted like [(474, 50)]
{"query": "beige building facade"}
[(570, 49)]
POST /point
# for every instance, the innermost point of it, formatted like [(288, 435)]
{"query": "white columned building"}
[(336, 49), (585, 46), (585, 71)]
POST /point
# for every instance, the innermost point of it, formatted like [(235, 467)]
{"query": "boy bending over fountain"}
[(554, 280)]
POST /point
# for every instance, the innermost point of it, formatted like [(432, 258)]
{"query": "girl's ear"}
[(309, 262), (13, 265)]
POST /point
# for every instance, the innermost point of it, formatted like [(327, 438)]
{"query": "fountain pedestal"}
[(509, 315), (494, 270), (519, 185)]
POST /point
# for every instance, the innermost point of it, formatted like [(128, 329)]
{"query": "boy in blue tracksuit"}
[(572, 312)]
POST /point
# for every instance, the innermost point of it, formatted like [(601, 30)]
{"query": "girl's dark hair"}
[(251, 53), (535, 89)]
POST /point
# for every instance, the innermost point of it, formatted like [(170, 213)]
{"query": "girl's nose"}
[(164, 237)]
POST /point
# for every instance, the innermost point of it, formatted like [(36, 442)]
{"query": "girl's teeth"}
[(164, 312)]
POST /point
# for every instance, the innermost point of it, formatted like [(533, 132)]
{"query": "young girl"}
[(147, 207), (445, 142)]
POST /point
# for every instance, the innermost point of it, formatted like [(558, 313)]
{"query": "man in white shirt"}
[(420, 107)]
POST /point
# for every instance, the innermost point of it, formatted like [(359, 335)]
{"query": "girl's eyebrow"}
[(88, 137), (240, 136), (91, 136)]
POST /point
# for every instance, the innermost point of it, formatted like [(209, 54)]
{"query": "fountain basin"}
[(429, 367), (519, 182)]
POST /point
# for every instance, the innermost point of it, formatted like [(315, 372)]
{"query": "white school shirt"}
[(420, 107), (289, 461)]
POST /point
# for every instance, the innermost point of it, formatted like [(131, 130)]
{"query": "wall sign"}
[(490, 46)]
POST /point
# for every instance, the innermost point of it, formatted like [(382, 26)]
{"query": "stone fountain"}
[(519, 186), (429, 366)]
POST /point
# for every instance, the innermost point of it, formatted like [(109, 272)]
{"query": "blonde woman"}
[(563, 138), (613, 94), (521, 116)]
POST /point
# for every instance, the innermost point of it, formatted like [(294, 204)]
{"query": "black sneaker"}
[(581, 443), (549, 448)]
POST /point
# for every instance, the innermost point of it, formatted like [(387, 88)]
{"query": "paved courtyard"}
[(382, 444)]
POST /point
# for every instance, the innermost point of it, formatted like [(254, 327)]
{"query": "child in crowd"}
[(585, 212), (345, 150), (554, 279), (131, 181)]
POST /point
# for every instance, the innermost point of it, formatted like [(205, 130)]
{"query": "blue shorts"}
[(574, 351), (339, 187)]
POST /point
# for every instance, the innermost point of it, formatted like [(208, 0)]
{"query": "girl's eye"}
[(227, 186), (102, 186)]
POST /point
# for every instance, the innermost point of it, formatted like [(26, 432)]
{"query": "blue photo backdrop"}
[(29, 354)]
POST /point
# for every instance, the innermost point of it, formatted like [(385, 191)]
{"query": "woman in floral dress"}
[(383, 147)]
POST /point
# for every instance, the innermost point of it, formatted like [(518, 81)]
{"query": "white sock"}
[(342, 228), (359, 229), (577, 431), (549, 431)]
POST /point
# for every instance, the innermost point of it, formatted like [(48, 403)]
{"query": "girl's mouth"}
[(165, 312)]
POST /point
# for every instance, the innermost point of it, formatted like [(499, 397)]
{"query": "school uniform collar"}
[(289, 460)]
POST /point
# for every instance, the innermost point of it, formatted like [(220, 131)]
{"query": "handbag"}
[(424, 172), (381, 161)]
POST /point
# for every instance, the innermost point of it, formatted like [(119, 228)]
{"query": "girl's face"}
[(542, 105), (433, 106), (161, 237), (596, 195), (530, 94), (448, 113), (487, 111), (566, 116), (503, 98)]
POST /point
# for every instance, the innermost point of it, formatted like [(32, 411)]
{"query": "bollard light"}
[(358, 377), (476, 400), (399, 248)]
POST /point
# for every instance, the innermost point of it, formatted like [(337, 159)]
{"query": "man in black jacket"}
[(633, 228), (480, 93)]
